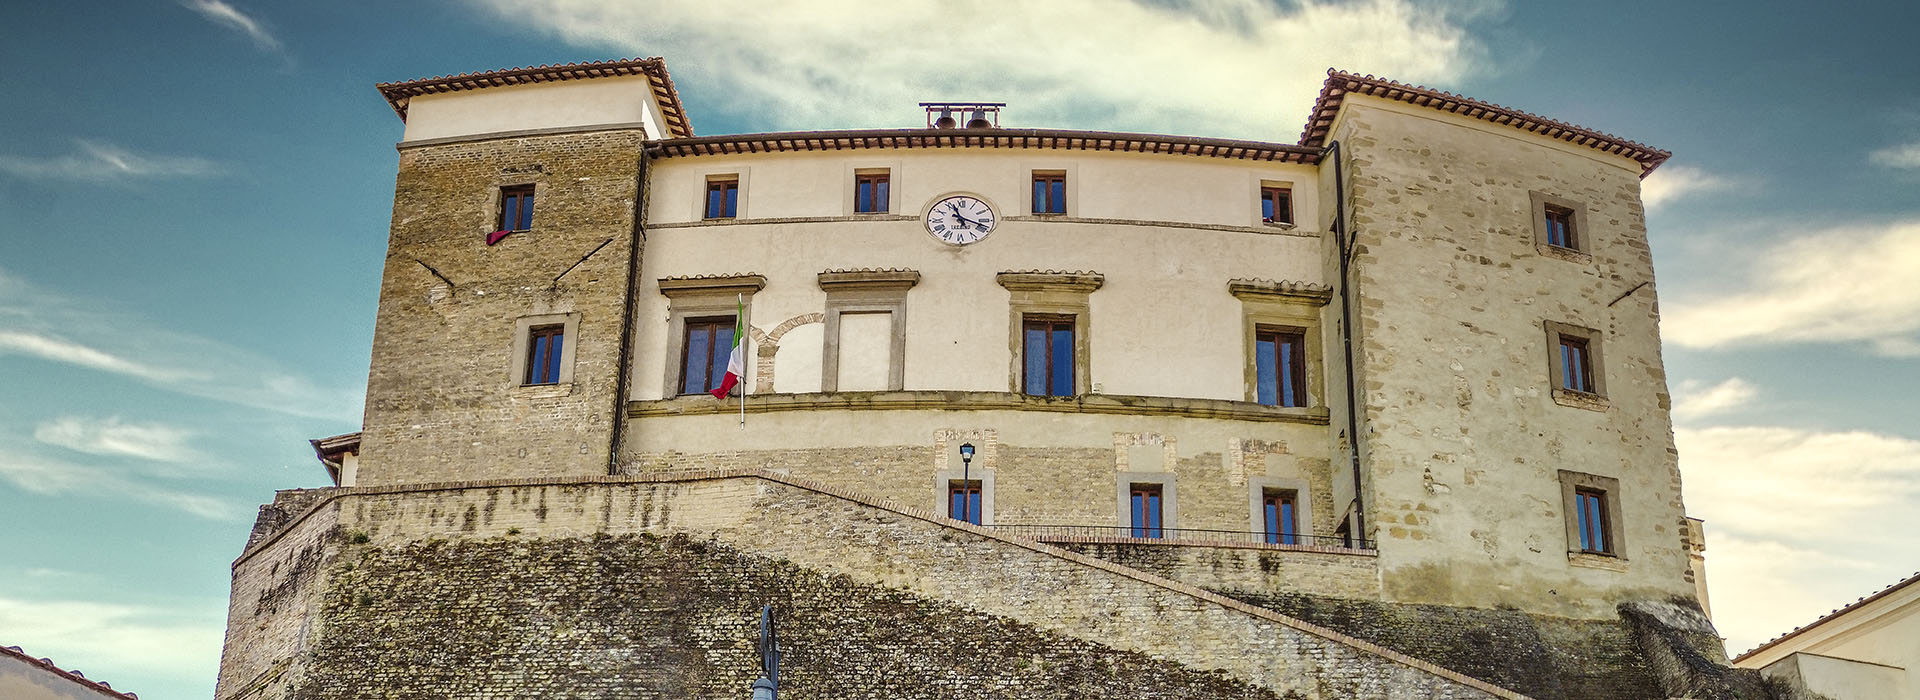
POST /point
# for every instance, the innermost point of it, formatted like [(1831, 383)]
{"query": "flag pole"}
[(740, 300)]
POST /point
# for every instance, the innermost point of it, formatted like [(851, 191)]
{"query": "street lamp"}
[(966, 480)]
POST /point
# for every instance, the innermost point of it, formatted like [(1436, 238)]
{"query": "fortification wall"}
[(445, 394), (484, 571)]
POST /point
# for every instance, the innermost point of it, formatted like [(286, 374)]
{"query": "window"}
[(1576, 366), (1281, 512), (516, 209), (1560, 232), (1591, 505), (723, 197), (1560, 227), (1049, 192), (963, 500), (544, 345), (1590, 509), (870, 193), (1280, 366), (703, 359), (1276, 205), (1145, 504), (1575, 363), (1047, 349)]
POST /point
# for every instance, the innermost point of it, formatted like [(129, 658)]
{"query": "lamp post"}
[(767, 686), (966, 481)]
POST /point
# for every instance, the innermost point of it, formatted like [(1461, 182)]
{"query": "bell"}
[(945, 121), (979, 120)]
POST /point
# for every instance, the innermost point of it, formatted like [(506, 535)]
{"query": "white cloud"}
[(116, 642), (1798, 522), (1849, 284), (54, 478), (110, 436), (1904, 156), (1673, 182), (47, 326), (1247, 68), (102, 162), (1696, 400), (228, 16)]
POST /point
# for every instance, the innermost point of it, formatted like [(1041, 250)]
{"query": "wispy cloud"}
[(228, 16), (1850, 284), (1243, 68), (1798, 521), (48, 477), (99, 162), (112, 437), (118, 641), (1904, 156), (46, 326), (1695, 399), (1674, 182)]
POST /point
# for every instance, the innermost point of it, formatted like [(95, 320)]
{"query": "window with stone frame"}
[(543, 349), (1280, 365), (1144, 508), (1591, 507), (871, 192), (704, 354), (516, 209), (1280, 511), (1574, 360), (1276, 204), (1560, 227), (1049, 192), (1048, 350), (963, 500), (723, 197), (544, 346)]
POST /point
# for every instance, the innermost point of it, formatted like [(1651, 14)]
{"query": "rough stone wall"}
[(1463, 434), (1230, 570), (443, 401), (274, 606), (809, 527)]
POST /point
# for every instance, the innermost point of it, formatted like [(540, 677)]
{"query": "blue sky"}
[(194, 206)]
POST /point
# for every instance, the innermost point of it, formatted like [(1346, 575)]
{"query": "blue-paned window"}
[(1576, 366), (723, 198), (963, 500), (870, 193), (1049, 193), (1276, 205), (1282, 525), (708, 344), (1145, 504), (516, 208), (1592, 521), (544, 346), (1560, 231), (1047, 352), (1280, 366)]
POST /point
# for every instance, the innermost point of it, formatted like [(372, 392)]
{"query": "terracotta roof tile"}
[(399, 93), (1340, 83), (100, 687)]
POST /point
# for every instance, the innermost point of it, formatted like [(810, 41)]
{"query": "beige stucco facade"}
[(1869, 650)]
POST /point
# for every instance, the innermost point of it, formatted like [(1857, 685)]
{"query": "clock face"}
[(960, 219)]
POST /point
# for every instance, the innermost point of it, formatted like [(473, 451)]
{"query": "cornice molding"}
[(1286, 291), (674, 287), (1051, 281)]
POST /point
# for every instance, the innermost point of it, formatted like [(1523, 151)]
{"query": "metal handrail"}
[(1046, 533)]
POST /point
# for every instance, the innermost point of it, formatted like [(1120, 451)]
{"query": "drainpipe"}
[(1344, 242), (624, 365)]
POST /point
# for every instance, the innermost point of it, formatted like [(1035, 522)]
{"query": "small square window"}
[(1049, 192), (1276, 205), (1047, 351), (1280, 366), (870, 192), (963, 500), (1145, 503), (1592, 513), (544, 350), (704, 355), (1560, 231), (1280, 511), (1575, 363), (516, 209), (723, 197)]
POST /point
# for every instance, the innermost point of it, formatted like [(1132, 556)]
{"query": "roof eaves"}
[(1882, 593), (1340, 83), (100, 687), (673, 111), (986, 138)]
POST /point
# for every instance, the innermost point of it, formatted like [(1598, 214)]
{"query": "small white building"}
[(1869, 650)]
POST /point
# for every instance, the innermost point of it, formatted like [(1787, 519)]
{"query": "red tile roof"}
[(675, 113), (985, 138), (100, 687), (1340, 83)]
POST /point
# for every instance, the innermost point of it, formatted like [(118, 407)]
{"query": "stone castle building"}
[(1029, 413)]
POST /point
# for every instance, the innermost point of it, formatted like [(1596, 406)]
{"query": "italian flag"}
[(737, 360)]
